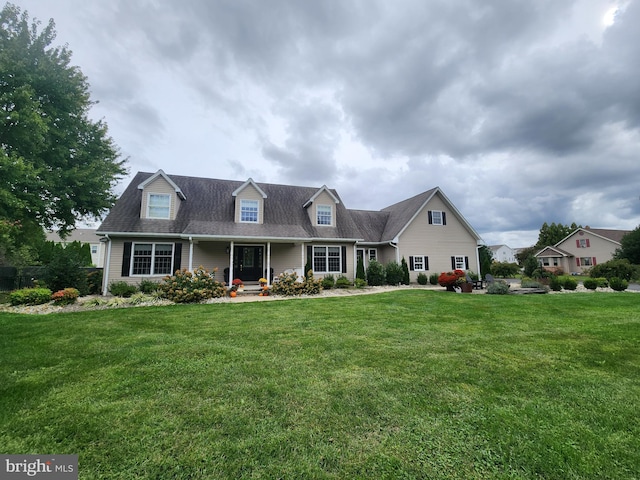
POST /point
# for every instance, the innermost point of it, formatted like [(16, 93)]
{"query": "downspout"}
[(105, 273), (478, 261), (190, 254), (395, 245)]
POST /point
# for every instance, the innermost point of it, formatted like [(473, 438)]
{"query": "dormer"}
[(161, 197), (321, 208), (249, 199)]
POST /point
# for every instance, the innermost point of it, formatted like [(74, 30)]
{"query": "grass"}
[(412, 384)]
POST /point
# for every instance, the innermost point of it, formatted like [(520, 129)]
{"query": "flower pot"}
[(466, 287)]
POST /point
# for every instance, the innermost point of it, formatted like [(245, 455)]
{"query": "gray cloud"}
[(523, 112)]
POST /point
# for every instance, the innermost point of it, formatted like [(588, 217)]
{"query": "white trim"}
[(160, 173), (148, 214), (246, 184), (257, 205), (323, 188), (151, 273)]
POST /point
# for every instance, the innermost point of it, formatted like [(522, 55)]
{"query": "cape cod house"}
[(248, 230), (581, 250)]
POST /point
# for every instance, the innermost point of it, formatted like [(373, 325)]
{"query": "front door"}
[(248, 262)]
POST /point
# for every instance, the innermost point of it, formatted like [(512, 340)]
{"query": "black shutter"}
[(310, 255), (177, 257), (453, 263), (410, 263), (466, 263), (426, 263), (444, 218), (430, 217), (126, 259), (344, 259)]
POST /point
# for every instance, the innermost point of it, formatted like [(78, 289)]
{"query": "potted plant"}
[(262, 281), (450, 280), (237, 283)]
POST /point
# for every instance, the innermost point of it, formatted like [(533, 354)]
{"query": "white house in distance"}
[(83, 235), (581, 250), (503, 253)]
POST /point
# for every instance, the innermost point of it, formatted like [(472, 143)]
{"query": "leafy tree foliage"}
[(552, 234), (630, 247), (504, 269), (56, 165), (486, 257), (525, 253)]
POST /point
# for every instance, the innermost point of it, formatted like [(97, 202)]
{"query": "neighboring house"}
[(503, 253), (163, 223), (83, 235), (581, 250)]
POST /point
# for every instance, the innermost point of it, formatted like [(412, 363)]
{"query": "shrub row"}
[(288, 285), (187, 287), (40, 295)]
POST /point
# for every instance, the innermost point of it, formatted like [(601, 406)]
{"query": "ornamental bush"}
[(328, 282), (618, 284), (590, 283), (394, 273), (30, 296), (422, 278), (65, 296), (376, 274), (122, 289), (342, 282), (555, 284), (287, 284), (569, 283), (498, 287), (433, 279), (187, 287), (614, 268)]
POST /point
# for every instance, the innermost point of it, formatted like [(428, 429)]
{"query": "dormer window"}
[(159, 206), (249, 211), (325, 214)]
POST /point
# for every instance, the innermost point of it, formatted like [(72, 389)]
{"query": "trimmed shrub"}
[(188, 287), (569, 283), (590, 283), (30, 296), (288, 285), (328, 282), (94, 282), (406, 278), (602, 282), (433, 279), (360, 273), (555, 284), (394, 273), (614, 268), (66, 296), (360, 283), (618, 284), (498, 287), (422, 278), (148, 286), (122, 289), (376, 274), (343, 282)]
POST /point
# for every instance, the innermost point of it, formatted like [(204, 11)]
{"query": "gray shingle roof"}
[(210, 206)]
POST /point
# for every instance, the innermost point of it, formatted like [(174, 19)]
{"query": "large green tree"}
[(552, 234), (630, 247), (56, 164)]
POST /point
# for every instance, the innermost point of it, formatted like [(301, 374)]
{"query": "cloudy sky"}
[(522, 111)]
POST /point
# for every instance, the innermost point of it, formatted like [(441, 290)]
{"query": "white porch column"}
[(230, 263), (107, 264), (302, 262), (191, 254), (268, 264)]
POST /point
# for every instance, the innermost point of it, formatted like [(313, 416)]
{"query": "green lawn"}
[(412, 384)]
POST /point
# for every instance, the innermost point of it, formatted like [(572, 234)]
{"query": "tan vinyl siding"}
[(250, 193), (160, 186), (438, 242), (323, 199), (599, 248)]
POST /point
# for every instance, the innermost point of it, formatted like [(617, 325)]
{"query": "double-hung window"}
[(437, 217), (460, 264), (324, 215), (327, 259), (159, 206), (419, 263), (373, 254), (249, 211), (152, 259)]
